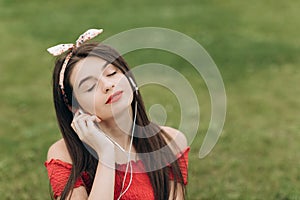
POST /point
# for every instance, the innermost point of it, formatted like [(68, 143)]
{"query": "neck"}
[(119, 128)]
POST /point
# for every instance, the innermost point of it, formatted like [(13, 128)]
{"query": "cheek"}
[(123, 83), (126, 87), (88, 102)]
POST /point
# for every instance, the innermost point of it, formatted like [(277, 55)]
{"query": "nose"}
[(106, 85)]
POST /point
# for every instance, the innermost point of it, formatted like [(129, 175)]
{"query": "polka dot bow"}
[(61, 48)]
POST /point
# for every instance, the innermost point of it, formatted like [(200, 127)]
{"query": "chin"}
[(119, 109)]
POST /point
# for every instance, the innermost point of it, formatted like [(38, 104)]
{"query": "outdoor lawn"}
[(255, 45)]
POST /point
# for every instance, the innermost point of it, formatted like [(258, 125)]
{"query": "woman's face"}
[(101, 89)]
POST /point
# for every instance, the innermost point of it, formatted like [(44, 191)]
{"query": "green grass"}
[(255, 44)]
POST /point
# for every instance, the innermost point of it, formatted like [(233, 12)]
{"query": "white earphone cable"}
[(129, 157)]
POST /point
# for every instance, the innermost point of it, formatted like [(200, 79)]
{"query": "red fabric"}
[(183, 164), (59, 172)]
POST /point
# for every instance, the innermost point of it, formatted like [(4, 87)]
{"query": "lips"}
[(114, 97)]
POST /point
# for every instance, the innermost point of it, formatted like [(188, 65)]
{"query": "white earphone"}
[(129, 164), (135, 88)]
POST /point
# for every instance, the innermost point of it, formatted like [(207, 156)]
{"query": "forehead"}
[(89, 66)]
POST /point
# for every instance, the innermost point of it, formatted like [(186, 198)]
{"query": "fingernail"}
[(97, 119)]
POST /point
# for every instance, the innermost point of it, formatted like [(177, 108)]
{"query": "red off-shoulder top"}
[(59, 172)]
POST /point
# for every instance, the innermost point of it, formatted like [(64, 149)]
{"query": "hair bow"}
[(61, 48)]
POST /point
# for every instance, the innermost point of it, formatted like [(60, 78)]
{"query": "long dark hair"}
[(82, 160)]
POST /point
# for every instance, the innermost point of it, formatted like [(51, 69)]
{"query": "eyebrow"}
[(85, 79), (91, 77)]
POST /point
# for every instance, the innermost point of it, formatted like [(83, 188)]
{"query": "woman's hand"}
[(88, 132)]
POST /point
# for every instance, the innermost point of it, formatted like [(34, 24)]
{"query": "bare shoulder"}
[(58, 150), (177, 136)]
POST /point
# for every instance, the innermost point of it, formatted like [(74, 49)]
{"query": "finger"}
[(77, 113), (79, 122), (95, 119), (75, 116), (82, 124), (81, 117), (93, 128), (78, 130), (73, 126), (87, 117), (90, 125)]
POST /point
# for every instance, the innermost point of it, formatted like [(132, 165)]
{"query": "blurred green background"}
[(255, 45)]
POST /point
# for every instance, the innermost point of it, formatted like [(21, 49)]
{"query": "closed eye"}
[(91, 88), (111, 74)]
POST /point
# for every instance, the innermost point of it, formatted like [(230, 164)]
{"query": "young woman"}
[(109, 148)]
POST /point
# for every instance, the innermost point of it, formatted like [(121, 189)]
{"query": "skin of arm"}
[(181, 141), (104, 181), (179, 191), (104, 178)]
